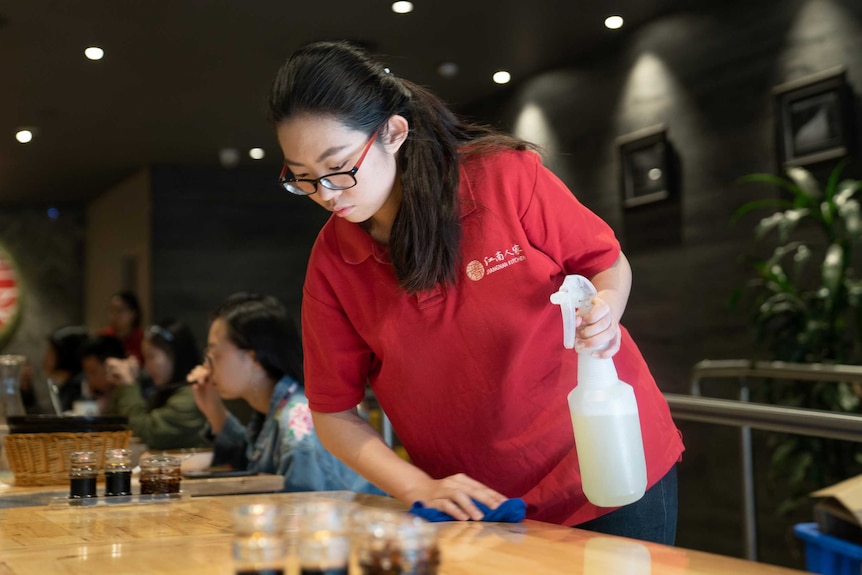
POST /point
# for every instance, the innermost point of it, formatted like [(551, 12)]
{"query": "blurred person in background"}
[(62, 370), (62, 365), (124, 322), (94, 354), (168, 418)]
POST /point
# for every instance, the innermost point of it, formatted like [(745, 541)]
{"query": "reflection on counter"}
[(615, 555)]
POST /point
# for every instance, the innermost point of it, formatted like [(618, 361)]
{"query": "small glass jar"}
[(118, 472), (392, 543), (160, 475), (259, 545), (324, 537), (83, 470)]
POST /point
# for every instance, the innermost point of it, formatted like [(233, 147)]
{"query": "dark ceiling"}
[(182, 79)]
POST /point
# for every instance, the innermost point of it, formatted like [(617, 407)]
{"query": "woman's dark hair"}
[(177, 340), (338, 80), (261, 324), (130, 300), (66, 343), (102, 347)]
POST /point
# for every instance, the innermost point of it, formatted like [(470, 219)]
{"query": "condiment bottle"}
[(118, 472), (604, 413), (259, 545), (160, 474), (83, 469), (392, 543), (10, 386), (324, 542)]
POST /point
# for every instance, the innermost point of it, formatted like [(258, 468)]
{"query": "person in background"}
[(62, 365), (431, 281), (94, 354), (253, 352), (62, 369), (169, 417), (124, 322)]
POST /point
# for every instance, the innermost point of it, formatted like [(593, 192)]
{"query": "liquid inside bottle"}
[(160, 475), (609, 443), (83, 469), (118, 472)]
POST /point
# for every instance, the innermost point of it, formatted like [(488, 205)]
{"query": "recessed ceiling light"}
[(256, 153), (502, 77), (24, 136), (448, 69), (228, 157), (614, 22), (402, 7), (94, 53)]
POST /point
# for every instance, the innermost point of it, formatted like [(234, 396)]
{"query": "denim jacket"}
[(285, 442)]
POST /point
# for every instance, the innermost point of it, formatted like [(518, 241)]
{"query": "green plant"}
[(806, 306)]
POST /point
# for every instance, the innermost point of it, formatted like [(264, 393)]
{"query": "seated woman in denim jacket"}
[(254, 353)]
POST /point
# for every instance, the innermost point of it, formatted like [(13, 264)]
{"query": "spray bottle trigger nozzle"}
[(575, 293)]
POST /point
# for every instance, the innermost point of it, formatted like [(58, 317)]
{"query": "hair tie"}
[(161, 332)]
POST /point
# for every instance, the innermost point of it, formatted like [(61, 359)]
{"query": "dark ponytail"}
[(343, 82)]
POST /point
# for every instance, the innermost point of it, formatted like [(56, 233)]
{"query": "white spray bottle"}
[(604, 413)]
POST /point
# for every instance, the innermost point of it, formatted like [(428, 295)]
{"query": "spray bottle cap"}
[(576, 294)]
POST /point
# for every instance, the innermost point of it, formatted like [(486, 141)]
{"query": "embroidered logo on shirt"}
[(475, 270), (502, 259)]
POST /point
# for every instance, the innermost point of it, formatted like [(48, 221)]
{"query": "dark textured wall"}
[(219, 231), (50, 258), (706, 73)]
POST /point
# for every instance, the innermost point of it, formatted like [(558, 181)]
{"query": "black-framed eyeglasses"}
[(335, 181), (206, 358)]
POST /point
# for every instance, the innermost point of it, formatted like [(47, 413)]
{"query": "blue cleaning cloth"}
[(510, 511)]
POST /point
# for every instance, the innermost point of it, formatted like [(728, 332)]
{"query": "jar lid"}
[(84, 457), (117, 457), (160, 461)]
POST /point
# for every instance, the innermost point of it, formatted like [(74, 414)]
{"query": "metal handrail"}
[(740, 368), (810, 422)]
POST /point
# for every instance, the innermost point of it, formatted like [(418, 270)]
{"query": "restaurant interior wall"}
[(118, 247), (49, 253), (707, 75), (217, 231)]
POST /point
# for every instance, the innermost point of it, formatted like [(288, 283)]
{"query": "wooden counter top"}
[(194, 536)]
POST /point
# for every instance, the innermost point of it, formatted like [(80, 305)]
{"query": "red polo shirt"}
[(474, 376)]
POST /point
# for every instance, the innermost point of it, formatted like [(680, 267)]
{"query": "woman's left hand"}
[(598, 328)]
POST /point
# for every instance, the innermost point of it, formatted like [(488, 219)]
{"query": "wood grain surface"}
[(194, 536)]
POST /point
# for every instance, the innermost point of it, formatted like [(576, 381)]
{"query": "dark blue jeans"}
[(651, 518)]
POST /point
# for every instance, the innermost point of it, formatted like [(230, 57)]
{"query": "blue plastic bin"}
[(828, 555)]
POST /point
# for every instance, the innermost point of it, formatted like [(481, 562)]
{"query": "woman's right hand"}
[(207, 396), (122, 371), (454, 495)]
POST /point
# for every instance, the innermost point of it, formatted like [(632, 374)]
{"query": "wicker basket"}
[(43, 458)]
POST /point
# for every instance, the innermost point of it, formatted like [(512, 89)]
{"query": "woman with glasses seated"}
[(168, 418), (253, 353), (432, 281)]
